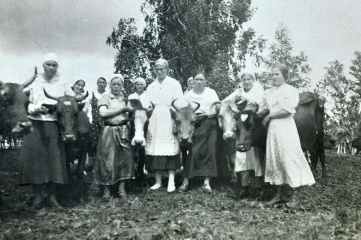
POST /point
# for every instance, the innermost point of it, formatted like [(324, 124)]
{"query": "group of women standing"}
[(43, 162)]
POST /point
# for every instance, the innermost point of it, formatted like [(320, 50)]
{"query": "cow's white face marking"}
[(68, 103), (244, 117)]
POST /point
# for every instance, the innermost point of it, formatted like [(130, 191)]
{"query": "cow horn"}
[(31, 80), (235, 111), (49, 96), (216, 102), (198, 105), (82, 97), (173, 104)]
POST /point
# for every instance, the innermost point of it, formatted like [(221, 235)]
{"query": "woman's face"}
[(101, 84), (79, 87), (139, 87), (199, 82), (116, 86), (50, 68), (247, 82), (160, 71), (277, 77)]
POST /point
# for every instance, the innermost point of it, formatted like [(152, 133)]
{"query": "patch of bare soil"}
[(326, 212)]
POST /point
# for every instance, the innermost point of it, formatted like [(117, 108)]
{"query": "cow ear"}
[(81, 105), (241, 105), (135, 103), (173, 114), (250, 108)]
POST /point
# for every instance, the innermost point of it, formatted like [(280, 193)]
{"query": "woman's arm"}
[(276, 115), (105, 112)]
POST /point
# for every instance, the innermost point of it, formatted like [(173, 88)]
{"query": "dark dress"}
[(114, 160), (201, 161)]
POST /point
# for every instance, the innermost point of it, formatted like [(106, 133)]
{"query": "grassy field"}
[(326, 212)]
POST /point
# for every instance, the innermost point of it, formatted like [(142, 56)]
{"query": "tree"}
[(192, 35), (341, 96), (281, 51), (355, 70)]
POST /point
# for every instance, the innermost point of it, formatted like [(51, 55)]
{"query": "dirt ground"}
[(326, 212)]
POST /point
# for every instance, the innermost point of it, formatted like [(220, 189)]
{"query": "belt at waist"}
[(123, 122)]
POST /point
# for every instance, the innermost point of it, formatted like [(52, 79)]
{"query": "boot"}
[(276, 198), (51, 188), (244, 193), (37, 204), (295, 200)]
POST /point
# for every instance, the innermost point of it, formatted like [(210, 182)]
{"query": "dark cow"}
[(356, 143), (309, 120), (74, 129)]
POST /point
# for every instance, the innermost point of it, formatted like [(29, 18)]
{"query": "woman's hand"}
[(266, 121)]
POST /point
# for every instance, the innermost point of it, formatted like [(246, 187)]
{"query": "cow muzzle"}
[(69, 137), (22, 127), (229, 136)]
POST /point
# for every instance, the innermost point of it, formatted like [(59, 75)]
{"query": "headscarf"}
[(117, 76), (140, 80), (189, 80), (162, 62), (51, 57)]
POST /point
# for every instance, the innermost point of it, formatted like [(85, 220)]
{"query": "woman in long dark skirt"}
[(42, 161), (202, 158), (114, 160)]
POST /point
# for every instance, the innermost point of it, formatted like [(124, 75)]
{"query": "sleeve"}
[(103, 101), (263, 103), (290, 99), (178, 92)]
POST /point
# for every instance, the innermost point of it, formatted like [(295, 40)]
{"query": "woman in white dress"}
[(162, 146), (253, 159), (285, 161)]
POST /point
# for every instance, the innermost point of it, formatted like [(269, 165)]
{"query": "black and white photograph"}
[(180, 119)]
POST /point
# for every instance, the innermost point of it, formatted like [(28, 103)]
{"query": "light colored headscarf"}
[(162, 62), (189, 80), (51, 57), (140, 80), (120, 76)]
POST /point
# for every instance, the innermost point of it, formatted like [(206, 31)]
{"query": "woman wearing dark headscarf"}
[(162, 146), (285, 161)]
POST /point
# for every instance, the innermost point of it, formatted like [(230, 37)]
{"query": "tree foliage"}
[(192, 35), (281, 51), (341, 93)]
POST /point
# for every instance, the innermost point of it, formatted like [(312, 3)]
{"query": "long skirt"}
[(285, 161), (42, 155), (253, 159), (114, 159), (201, 162)]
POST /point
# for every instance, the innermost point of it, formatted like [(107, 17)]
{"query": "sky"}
[(326, 30)]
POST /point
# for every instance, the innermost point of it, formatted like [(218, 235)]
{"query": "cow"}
[(74, 127), (356, 143), (249, 131), (139, 122), (339, 136)]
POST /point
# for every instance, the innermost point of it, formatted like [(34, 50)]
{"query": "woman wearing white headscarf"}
[(114, 160), (162, 146), (253, 159), (42, 158)]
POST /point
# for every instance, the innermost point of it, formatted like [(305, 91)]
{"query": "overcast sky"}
[(326, 30)]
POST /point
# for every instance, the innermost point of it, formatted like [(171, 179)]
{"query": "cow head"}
[(184, 121), (13, 108), (140, 118), (236, 119), (67, 109)]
